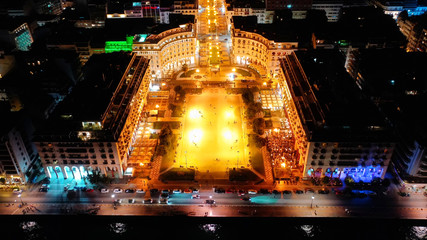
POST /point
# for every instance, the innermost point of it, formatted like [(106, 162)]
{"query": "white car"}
[(104, 190), (251, 191), (176, 191), (140, 191), (195, 196), (118, 190)]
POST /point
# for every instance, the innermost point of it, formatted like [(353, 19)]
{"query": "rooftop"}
[(393, 73), (294, 31), (348, 115), (90, 98)]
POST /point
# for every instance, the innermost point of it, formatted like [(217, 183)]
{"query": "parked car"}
[(246, 199), (154, 190), (118, 190), (129, 190), (187, 191), (323, 191), (264, 191), (131, 200), (165, 191), (140, 191), (241, 192), (219, 190), (164, 201), (287, 192), (104, 190), (309, 190), (210, 201), (298, 191), (164, 195), (230, 190), (89, 190), (252, 191), (195, 190), (276, 192), (147, 201), (177, 191)]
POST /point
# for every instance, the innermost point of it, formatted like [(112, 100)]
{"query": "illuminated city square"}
[(213, 133)]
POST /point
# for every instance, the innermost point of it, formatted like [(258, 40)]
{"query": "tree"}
[(2, 180), (349, 181), (185, 69), (172, 107), (326, 180), (260, 141), (247, 96), (259, 125), (161, 150)]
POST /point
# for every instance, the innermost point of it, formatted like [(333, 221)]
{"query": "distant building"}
[(395, 7), (16, 32), (333, 7), (93, 128), (338, 133)]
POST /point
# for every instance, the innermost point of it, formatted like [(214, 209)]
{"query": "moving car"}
[(210, 201), (140, 191), (105, 190), (163, 201), (17, 191), (129, 190), (195, 196), (89, 190)]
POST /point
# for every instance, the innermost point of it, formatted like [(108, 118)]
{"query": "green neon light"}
[(117, 46)]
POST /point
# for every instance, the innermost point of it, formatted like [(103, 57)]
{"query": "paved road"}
[(227, 204)]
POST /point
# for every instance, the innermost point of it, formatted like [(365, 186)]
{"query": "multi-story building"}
[(92, 129), (395, 80), (17, 32), (288, 4), (333, 7), (259, 47), (262, 15), (19, 160), (395, 7), (169, 50), (338, 133), (415, 30)]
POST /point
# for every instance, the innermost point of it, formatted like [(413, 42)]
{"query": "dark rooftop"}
[(347, 112), (90, 98), (293, 31), (118, 29), (393, 73), (361, 25)]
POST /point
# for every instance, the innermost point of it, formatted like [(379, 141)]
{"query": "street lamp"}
[(312, 199), (20, 197)]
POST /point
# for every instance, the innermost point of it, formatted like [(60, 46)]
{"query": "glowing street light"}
[(197, 70), (157, 106), (312, 199), (233, 70), (20, 197), (283, 165)]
